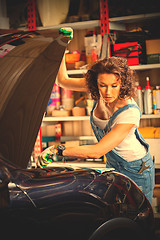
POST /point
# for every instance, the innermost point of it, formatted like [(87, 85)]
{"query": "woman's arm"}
[(106, 144), (64, 81)]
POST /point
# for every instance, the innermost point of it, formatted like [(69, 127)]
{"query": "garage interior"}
[(67, 116)]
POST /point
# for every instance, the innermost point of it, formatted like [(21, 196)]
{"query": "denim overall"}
[(145, 178)]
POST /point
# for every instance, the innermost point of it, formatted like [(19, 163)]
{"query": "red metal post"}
[(104, 20), (31, 15)]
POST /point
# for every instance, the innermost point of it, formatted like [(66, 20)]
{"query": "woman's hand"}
[(46, 157), (100, 110), (67, 32)]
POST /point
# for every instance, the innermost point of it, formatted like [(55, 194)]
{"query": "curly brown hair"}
[(114, 65)]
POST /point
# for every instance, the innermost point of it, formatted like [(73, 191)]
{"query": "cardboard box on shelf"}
[(75, 65), (150, 132), (153, 51), (86, 129), (77, 128), (78, 111), (153, 46), (153, 58), (72, 143), (147, 132), (54, 143), (48, 130), (61, 113), (67, 128)]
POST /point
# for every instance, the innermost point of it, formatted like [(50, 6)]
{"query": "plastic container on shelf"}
[(72, 57), (55, 100), (52, 12), (156, 100), (67, 99), (148, 98), (78, 111), (139, 98)]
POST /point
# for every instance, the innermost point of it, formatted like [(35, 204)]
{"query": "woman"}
[(114, 119)]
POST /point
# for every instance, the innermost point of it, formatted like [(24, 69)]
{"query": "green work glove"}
[(47, 156), (67, 32)]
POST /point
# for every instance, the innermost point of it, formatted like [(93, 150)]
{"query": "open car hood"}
[(27, 76)]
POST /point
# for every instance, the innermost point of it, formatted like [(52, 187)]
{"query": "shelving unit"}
[(120, 24), (135, 18), (135, 67), (146, 66), (47, 120), (63, 119), (78, 138), (115, 23), (150, 116), (85, 25)]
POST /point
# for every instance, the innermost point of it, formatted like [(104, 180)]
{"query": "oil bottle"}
[(148, 98)]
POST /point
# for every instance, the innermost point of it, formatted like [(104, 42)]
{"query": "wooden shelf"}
[(115, 23), (78, 138), (146, 66), (64, 119), (81, 25), (87, 118), (135, 67), (150, 116), (135, 18), (77, 71)]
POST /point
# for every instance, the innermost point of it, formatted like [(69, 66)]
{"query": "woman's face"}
[(109, 86)]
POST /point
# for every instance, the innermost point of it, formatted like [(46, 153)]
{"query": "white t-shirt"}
[(130, 148)]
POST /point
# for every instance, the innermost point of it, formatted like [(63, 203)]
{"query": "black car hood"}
[(27, 76)]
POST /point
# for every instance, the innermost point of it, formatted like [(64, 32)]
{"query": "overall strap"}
[(99, 133), (94, 105)]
